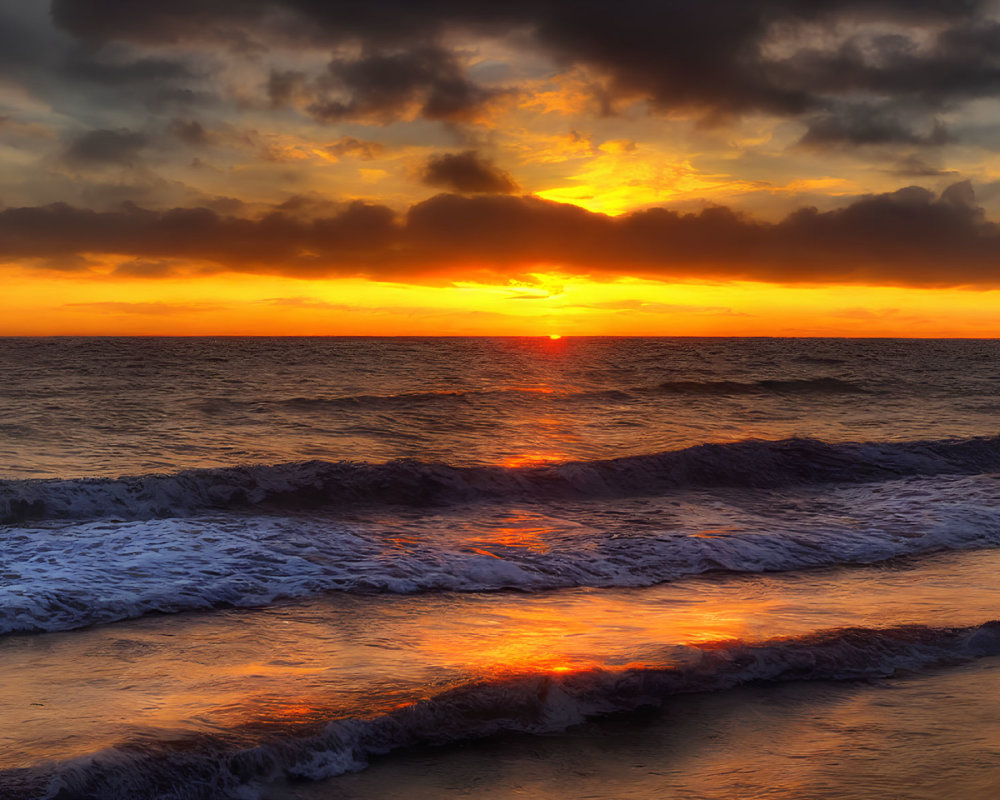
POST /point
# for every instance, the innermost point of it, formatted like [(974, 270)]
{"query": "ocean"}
[(276, 568)]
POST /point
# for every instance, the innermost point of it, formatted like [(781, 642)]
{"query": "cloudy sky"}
[(761, 167)]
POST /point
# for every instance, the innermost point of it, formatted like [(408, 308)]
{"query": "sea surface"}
[(276, 568)]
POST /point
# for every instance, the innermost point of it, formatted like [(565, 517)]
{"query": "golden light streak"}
[(625, 176), (86, 303)]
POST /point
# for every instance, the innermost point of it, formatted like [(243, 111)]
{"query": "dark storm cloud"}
[(908, 237), (106, 147), (959, 62), (91, 67), (713, 57), (865, 124), (381, 85), (467, 173)]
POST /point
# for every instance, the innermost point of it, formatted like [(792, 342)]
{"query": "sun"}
[(554, 336)]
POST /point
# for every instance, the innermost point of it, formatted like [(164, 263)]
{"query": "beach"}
[(499, 568)]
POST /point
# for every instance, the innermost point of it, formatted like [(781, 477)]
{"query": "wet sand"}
[(913, 737)]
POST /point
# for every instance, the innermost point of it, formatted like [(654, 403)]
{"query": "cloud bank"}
[(910, 237)]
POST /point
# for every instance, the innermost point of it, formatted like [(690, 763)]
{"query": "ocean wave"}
[(448, 397), (239, 763), (788, 386), (216, 405), (60, 577), (312, 484), (405, 400)]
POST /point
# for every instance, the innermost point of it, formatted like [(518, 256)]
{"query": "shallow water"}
[(918, 737), (285, 670)]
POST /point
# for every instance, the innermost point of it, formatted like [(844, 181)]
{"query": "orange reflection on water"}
[(533, 389), (519, 529), (584, 630), (534, 459), (544, 442), (336, 656)]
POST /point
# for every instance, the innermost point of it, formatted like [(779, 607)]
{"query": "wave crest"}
[(313, 484)]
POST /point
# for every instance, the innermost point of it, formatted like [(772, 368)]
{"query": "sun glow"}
[(240, 304)]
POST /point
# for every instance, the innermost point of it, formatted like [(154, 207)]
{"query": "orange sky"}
[(248, 304), (499, 169)]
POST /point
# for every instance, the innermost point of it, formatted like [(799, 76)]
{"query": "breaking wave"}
[(238, 764), (65, 576), (312, 484)]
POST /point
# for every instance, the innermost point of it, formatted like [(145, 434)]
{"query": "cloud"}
[(67, 262), (89, 66), (906, 237), (358, 148), (190, 132), (816, 58), (467, 173), (285, 87), (322, 246), (427, 80), (139, 268), (914, 166), (867, 124), (101, 147)]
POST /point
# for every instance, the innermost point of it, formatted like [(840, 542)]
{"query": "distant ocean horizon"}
[(247, 566)]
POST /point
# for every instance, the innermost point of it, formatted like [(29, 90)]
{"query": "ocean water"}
[(252, 567)]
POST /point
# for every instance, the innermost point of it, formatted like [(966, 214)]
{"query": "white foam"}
[(61, 577)]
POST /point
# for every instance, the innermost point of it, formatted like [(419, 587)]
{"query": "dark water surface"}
[(228, 564)]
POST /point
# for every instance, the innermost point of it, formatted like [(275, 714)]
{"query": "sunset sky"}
[(681, 167)]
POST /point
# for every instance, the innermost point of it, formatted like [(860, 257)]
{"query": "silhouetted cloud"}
[(907, 237), (467, 173)]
